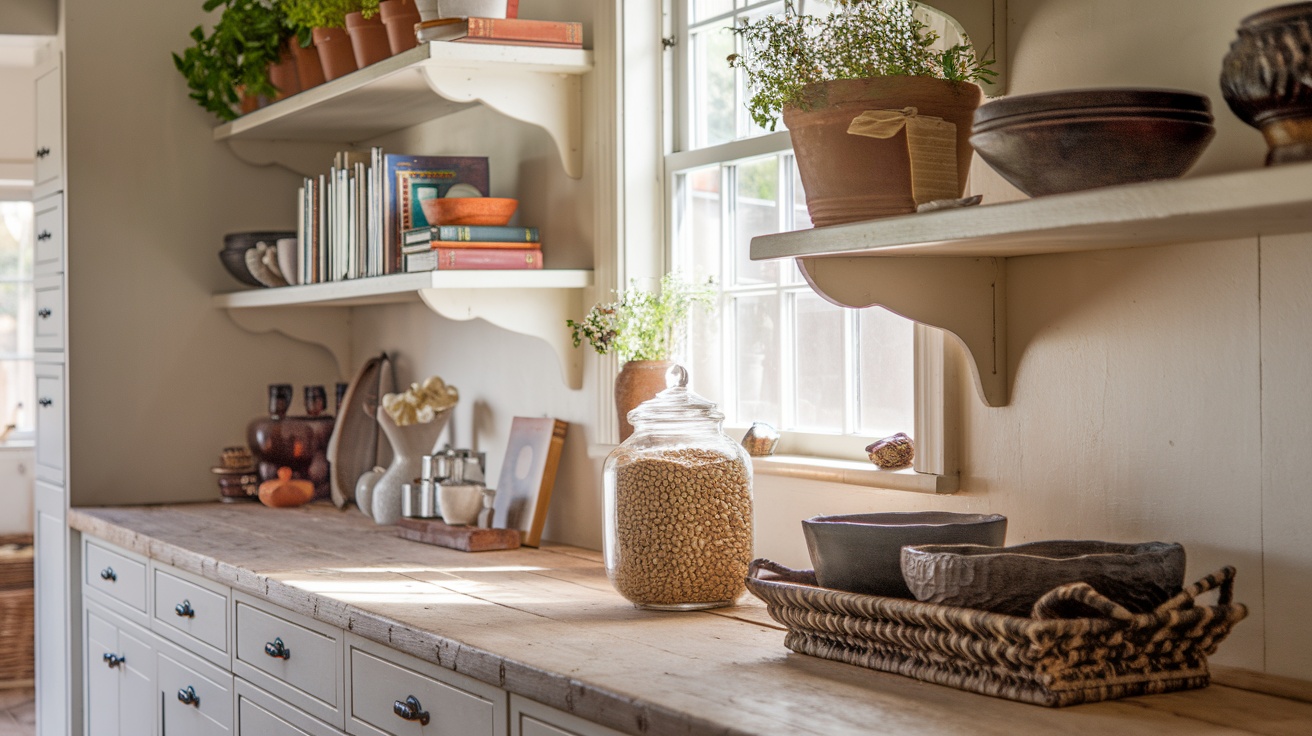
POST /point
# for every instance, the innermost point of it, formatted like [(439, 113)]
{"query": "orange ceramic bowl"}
[(469, 210)]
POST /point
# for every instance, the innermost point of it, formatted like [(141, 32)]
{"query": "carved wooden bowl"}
[(1011, 579), (469, 210), (1067, 141)]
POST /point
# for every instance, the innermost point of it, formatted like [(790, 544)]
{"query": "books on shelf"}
[(503, 235), (510, 31), (473, 259), (411, 179)]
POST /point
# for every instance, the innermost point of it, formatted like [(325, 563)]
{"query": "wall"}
[(16, 486)]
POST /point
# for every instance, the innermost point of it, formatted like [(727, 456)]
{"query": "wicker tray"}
[(1046, 659), (15, 561)]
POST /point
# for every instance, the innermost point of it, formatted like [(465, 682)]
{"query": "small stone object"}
[(893, 452), (760, 440)]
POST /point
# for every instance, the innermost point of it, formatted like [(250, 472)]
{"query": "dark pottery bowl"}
[(860, 553), (235, 246), (1011, 579), (1067, 141), (1266, 79)]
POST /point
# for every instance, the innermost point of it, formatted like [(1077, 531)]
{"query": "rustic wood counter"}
[(547, 625)]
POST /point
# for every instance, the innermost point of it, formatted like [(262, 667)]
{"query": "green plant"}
[(643, 325), (234, 56), (783, 54), (305, 14)]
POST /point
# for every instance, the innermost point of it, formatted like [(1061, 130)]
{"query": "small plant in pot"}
[(644, 329), (854, 88), (328, 21), (227, 69)]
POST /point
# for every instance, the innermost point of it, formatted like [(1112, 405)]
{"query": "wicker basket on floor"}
[(16, 613), (1045, 660)]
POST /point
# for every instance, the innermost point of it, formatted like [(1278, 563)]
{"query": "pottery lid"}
[(1080, 103), (676, 403)]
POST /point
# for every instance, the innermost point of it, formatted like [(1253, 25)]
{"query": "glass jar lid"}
[(676, 403)]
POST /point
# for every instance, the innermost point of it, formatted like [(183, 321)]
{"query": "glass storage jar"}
[(678, 505)]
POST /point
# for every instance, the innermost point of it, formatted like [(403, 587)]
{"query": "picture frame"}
[(528, 475)]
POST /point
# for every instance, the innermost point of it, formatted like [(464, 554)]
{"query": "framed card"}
[(528, 474)]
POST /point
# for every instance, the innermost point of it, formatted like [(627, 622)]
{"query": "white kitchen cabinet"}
[(52, 635), (50, 420), (48, 223), (196, 696), (296, 658), (262, 714), (116, 579), (120, 676), (49, 129), (531, 718), (191, 612)]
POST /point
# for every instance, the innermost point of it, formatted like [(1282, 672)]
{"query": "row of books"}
[(352, 218), (509, 31), (471, 247)]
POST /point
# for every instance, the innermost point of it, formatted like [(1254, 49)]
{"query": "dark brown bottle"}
[(299, 443)]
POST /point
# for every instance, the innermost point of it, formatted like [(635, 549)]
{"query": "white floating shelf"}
[(534, 303), (539, 86), (948, 268)]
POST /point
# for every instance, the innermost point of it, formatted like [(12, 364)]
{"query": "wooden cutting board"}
[(463, 538)]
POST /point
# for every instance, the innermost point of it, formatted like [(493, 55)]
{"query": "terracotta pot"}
[(400, 17), (248, 103), (335, 53), (851, 177), (637, 381), (284, 75), (309, 71), (368, 39), (1266, 79)]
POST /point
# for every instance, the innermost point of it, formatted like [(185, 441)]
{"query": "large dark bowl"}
[(235, 246), (1080, 139), (860, 553), (1011, 579)]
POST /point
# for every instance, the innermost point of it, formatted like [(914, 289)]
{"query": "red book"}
[(473, 259), (501, 29), (539, 44), (512, 8)]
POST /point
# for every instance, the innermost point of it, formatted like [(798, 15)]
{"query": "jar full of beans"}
[(678, 505)]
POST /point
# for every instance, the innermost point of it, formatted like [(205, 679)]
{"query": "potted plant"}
[(327, 21), (227, 70), (644, 329), (400, 17), (852, 87)]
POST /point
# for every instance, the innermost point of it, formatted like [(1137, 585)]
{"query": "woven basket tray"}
[(15, 561), (17, 637), (1045, 660)]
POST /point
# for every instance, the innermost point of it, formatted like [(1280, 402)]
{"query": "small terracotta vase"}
[(852, 177), (284, 76), (309, 70), (368, 39), (1266, 79), (285, 491), (400, 17), (638, 381), (248, 103), (335, 53)]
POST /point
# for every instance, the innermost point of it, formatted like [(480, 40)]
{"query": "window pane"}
[(818, 347), (16, 319), (15, 240), (713, 102), (703, 9), (697, 223), (756, 212), (887, 343), (756, 359), (17, 403)]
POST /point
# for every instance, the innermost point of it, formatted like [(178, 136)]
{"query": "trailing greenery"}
[(305, 14), (782, 54), (234, 56), (643, 325)]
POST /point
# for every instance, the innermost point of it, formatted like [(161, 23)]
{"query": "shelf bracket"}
[(539, 314), (966, 297), (549, 100), (307, 158), (327, 327)]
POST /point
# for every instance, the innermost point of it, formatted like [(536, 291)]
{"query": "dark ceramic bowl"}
[(1011, 579), (1081, 139), (860, 553), (235, 246)]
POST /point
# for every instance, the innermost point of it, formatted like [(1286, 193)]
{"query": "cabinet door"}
[(49, 130), (49, 225), (102, 711), (51, 561), (120, 697), (136, 686), (50, 422), (196, 695)]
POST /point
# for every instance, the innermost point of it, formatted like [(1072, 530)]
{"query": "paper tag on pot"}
[(931, 146)]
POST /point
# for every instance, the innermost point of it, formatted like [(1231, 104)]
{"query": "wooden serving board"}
[(463, 538)]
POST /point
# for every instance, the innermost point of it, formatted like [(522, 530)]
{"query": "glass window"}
[(17, 382)]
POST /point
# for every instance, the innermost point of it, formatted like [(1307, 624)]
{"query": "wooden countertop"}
[(547, 625)]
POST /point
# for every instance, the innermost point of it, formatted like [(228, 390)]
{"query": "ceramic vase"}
[(400, 17), (637, 381), (1266, 79), (409, 444), (284, 76), (309, 70), (335, 52)]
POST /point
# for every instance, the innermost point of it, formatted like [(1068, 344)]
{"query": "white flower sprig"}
[(420, 404)]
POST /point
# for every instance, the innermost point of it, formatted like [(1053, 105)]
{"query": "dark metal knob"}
[(188, 696), (411, 710), (113, 660), (185, 610), (44, 235), (44, 313), (42, 152), (108, 573), (277, 649), (47, 401)]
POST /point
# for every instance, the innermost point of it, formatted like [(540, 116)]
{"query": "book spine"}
[(518, 29), (481, 245), (518, 42), (485, 233), (473, 259)]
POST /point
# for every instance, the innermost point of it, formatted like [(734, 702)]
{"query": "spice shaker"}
[(678, 519)]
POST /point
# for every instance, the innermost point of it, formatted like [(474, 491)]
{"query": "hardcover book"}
[(487, 245), (473, 259), (472, 234), (410, 179), (567, 33)]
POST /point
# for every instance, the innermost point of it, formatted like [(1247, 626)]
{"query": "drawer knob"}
[(188, 696), (44, 235), (108, 573), (44, 313), (42, 152), (47, 402), (113, 660), (185, 610), (411, 710), (277, 649)]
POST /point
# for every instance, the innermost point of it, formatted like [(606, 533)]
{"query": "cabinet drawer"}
[(531, 718), (295, 658), (455, 704), (50, 422), (196, 695), (192, 614), (261, 714), (115, 575), (49, 129), (48, 295), (48, 222)]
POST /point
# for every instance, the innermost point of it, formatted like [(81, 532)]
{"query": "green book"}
[(471, 234)]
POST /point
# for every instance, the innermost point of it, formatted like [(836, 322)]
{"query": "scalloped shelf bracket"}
[(966, 297), (306, 158), (549, 100), (541, 315), (327, 327)]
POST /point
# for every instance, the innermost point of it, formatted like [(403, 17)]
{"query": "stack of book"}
[(503, 31), (471, 247)]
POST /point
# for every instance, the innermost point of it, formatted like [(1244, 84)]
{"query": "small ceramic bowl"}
[(1011, 579), (861, 553), (235, 246), (469, 210)]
